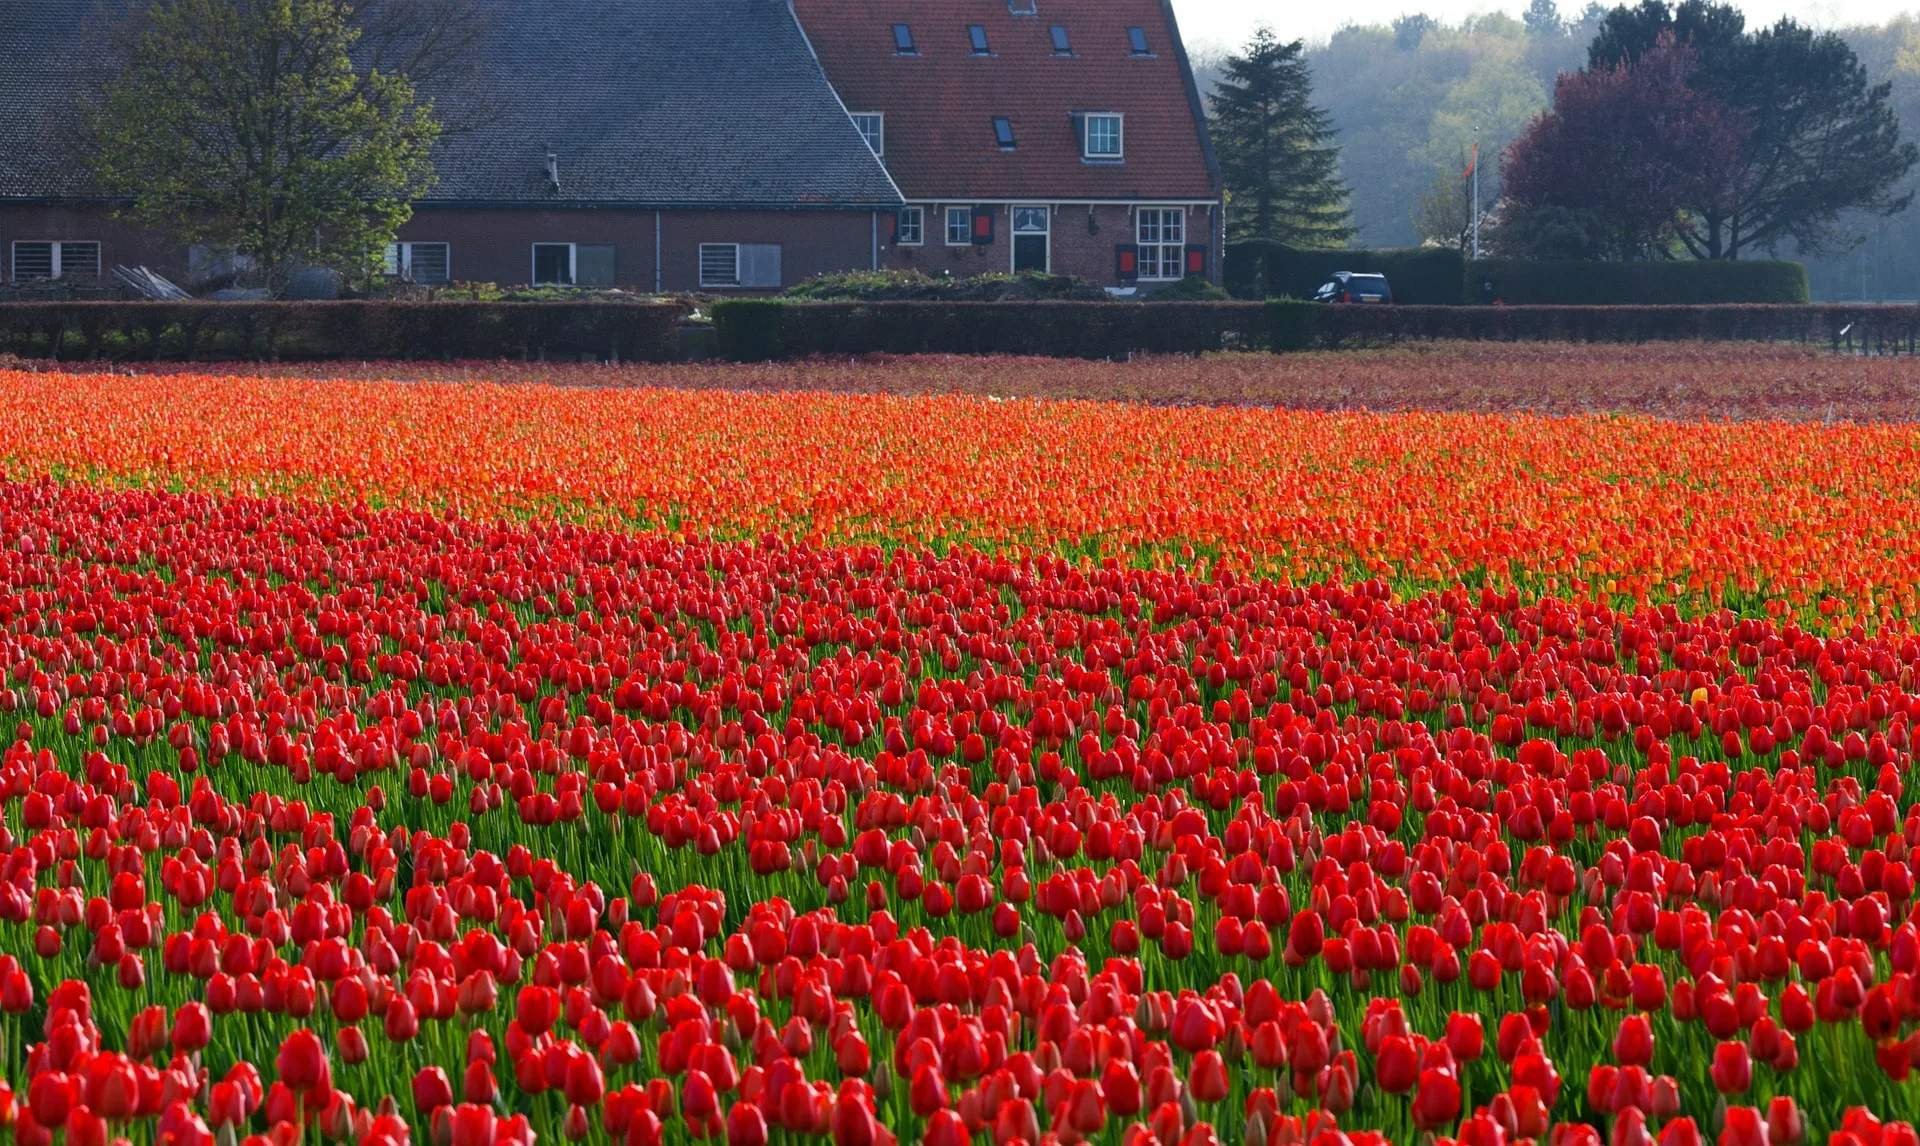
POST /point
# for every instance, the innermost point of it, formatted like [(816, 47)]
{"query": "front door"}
[(1031, 241)]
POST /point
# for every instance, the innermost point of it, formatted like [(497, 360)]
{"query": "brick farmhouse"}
[(720, 145), (1053, 135)]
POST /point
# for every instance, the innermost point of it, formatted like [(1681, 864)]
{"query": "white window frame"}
[(1119, 136), (1160, 243), (1015, 234), (920, 227), (875, 143), (965, 215), (400, 257), (533, 264), (55, 257)]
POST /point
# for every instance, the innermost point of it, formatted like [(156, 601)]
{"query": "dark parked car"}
[(1347, 286)]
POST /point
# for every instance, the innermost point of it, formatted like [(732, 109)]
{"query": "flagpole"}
[(1476, 191)]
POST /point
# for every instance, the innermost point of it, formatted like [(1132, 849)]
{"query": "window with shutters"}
[(1102, 136), (913, 226), (55, 259), (959, 226), (1162, 235), (751, 266), (426, 263), (873, 128)]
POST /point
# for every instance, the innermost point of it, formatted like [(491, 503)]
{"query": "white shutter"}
[(760, 265), (32, 261)]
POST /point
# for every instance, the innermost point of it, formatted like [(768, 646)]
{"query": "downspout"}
[(658, 277), (875, 220)]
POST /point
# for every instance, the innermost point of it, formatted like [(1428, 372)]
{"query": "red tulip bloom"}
[(1436, 1103), (1744, 1127), (302, 1062), (1633, 1042), (1208, 1079), (1732, 1068), (431, 1090)]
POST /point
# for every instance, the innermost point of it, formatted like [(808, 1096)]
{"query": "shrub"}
[(1193, 288), (1692, 283), (916, 286), (621, 331), (1420, 276), (750, 329)]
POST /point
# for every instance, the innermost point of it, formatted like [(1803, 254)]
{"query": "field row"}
[(393, 825), (1722, 381), (1814, 521)]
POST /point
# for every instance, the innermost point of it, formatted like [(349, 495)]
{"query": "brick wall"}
[(1083, 241), (497, 245), (120, 243)]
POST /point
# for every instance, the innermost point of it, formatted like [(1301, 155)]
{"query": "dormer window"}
[(903, 40), (1102, 136), (1062, 43), (1003, 132), (977, 36), (1137, 40), (873, 128)]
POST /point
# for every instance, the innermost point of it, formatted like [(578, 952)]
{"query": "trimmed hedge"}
[(1692, 283), (621, 331), (757, 330), (1431, 276), (766, 329), (1420, 276), (1881, 327)]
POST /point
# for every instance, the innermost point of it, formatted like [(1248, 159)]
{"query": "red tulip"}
[(302, 1062), (431, 1090), (1732, 1068), (1633, 1042), (1436, 1103), (1208, 1079), (1743, 1127)]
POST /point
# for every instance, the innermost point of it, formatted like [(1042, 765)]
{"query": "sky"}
[(1224, 23)]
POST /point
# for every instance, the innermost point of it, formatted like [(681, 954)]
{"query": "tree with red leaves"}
[(1623, 154)]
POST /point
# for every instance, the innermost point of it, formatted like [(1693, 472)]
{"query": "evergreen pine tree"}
[(1277, 151)]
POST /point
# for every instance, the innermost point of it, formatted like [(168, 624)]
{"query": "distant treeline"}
[(1406, 99)]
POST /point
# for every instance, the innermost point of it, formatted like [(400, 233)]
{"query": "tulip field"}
[(472, 755)]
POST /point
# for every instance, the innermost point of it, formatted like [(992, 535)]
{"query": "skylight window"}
[(1062, 45), (1003, 131), (1137, 37), (903, 40), (977, 34)]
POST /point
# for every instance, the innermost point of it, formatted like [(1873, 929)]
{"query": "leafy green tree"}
[(1277, 151), (1490, 107), (1543, 19), (249, 126), (1822, 139)]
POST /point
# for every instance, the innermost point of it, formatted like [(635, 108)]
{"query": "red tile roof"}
[(940, 103)]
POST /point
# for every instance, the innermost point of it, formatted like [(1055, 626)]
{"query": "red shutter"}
[(982, 226), (1126, 262), (1197, 260)]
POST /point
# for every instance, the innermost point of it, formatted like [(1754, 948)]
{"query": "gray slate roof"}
[(646, 103)]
